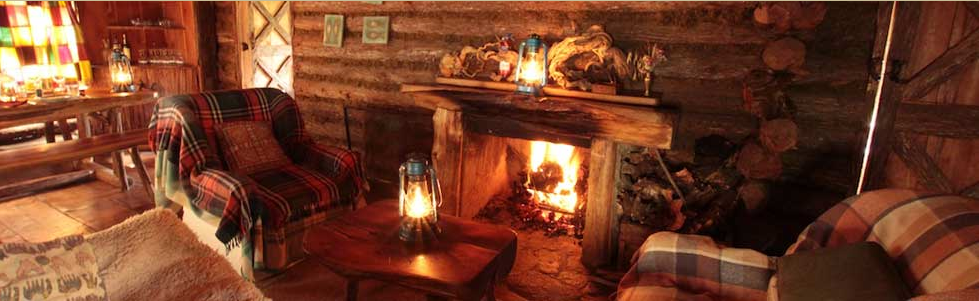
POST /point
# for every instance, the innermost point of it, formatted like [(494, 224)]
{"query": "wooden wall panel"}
[(943, 25), (710, 47)]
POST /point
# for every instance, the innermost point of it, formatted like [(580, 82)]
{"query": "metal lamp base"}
[(418, 230), (529, 90)]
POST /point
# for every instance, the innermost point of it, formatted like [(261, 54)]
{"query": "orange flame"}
[(564, 196)]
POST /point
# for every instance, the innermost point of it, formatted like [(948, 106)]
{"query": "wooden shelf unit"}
[(109, 20), (105, 20)]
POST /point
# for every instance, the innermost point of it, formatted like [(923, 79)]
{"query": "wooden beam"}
[(941, 120), (29, 187), (597, 247), (918, 161), (905, 27), (447, 151), (940, 70), (207, 44), (637, 125)]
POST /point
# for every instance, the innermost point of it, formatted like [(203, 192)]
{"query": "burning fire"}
[(544, 156)]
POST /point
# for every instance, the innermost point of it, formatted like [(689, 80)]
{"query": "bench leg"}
[(141, 170), (120, 170)]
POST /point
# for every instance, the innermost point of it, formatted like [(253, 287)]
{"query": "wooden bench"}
[(78, 149)]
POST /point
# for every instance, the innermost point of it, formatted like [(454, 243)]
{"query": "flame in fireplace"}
[(563, 196)]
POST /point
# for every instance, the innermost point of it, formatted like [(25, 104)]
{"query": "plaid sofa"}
[(266, 213), (933, 240)]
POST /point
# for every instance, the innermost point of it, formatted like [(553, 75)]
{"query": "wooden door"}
[(267, 54), (927, 133)]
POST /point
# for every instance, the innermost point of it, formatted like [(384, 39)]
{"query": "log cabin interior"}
[(386, 150)]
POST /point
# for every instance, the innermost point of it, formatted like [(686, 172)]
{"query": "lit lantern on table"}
[(419, 199), (121, 71), (532, 66)]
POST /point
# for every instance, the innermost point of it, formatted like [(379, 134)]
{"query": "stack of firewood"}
[(684, 197)]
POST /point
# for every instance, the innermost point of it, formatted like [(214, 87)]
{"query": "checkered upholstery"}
[(933, 240), (321, 177)]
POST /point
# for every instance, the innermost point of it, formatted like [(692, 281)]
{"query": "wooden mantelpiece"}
[(556, 119), (467, 158)]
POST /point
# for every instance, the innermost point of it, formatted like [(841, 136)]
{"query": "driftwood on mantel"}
[(570, 120)]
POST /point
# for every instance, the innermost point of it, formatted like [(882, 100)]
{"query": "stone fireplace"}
[(557, 138)]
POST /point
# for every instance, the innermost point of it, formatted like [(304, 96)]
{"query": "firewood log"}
[(762, 16), (756, 162), (778, 135), (754, 195), (781, 15), (785, 54), (809, 16)]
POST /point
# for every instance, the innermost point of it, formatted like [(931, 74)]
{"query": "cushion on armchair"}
[(250, 146), (932, 240), (856, 272)]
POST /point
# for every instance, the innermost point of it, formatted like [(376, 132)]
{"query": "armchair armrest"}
[(218, 190), (339, 164), (696, 264)]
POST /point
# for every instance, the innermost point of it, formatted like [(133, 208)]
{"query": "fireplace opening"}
[(547, 188)]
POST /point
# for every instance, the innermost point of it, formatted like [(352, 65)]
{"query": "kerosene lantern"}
[(419, 199), (121, 71), (532, 66)]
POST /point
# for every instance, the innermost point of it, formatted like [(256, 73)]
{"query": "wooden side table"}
[(465, 262)]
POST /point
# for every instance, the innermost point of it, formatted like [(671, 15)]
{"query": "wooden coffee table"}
[(465, 262)]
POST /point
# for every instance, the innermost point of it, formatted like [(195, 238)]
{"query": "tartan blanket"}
[(183, 136), (934, 240), (671, 266)]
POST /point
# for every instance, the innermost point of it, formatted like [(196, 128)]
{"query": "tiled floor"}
[(92, 206), (82, 208)]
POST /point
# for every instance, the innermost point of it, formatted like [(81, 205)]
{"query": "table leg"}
[(49, 131), (352, 285), (491, 290), (118, 166)]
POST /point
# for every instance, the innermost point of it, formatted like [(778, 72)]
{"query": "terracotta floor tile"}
[(100, 214), (7, 235), (78, 196), (36, 221)]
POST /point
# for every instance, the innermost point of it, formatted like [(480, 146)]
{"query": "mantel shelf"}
[(557, 119)]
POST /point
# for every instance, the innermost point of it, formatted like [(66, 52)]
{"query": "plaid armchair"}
[(266, 213), (933, 241)]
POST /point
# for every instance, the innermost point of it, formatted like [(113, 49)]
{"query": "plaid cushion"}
[(186, 144), (933, 240), (699, 267)]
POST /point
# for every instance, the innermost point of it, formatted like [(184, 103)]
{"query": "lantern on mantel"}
[(532, 66), (419, 199), (121, 70)]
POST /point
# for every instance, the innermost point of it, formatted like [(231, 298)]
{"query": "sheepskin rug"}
[(154, 256)]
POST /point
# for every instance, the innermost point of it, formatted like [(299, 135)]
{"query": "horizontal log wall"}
[(710, 47)]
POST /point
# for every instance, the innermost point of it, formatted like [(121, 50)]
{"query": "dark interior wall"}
[(710, 47)]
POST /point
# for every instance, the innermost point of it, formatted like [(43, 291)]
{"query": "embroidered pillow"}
[(250, 146), (61, 269)]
